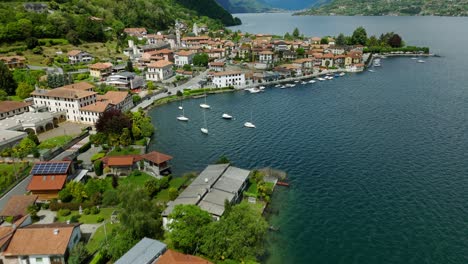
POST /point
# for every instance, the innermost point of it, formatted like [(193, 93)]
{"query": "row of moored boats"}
[(291, 85)]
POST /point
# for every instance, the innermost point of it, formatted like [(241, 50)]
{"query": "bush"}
[(45, 206), (110, 198), (9, 219), (97, 156), (100, 219), (85, 147), (74, 218), (94, 210), (64, 212), (98, 167), (86, 211)]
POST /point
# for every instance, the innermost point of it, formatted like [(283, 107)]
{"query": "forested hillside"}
[(392, 7), (245, 6), (94, 20)]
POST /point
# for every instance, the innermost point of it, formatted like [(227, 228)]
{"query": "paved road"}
[(191, 84), (51, 69)]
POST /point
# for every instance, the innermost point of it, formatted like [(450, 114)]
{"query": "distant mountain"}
[(212, 9), (391, 7), (245, 6), (257, 6)]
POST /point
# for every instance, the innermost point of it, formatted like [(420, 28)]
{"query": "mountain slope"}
[(245, 6), (392, 7), (295, 4), (212, 9)]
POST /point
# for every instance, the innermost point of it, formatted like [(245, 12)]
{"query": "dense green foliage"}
[(7, 82), (211, 9), (244, 6), (99, 20), (384, 7)]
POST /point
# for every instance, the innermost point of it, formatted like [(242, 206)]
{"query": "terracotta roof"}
[(7, 106), (135, 157), (98, 107), (17, 205), (120, 161), (195, 38), (160, 64), (174, 257), (135, 30), (267, 52), (63, 93), (164, 51), (100, 66), (185, 53), (6, 232), (47, 182), (12, 58), (74, 52), (49, 239), (328, 56), (83, 86), (217, 63), (156, 157), (114, 97)]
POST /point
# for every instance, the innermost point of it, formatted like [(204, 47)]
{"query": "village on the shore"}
[(69, 146)]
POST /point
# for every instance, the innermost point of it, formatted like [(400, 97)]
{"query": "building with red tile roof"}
[(174, 257)]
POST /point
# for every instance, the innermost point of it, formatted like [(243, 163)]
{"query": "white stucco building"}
[(184, 57), (159, 71), (225, 79)]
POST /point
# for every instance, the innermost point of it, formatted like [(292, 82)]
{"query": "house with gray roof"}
[(216, 184), (147, 251)]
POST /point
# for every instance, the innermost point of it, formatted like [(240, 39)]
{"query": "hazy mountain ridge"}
[(257, 6), (392, 7)]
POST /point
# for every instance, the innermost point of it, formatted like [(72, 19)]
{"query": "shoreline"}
[(160, 101)]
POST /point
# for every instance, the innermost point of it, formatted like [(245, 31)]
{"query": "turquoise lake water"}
[(378, 162)]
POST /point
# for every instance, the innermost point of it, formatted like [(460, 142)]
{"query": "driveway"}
[(64, 128), (46, 216)]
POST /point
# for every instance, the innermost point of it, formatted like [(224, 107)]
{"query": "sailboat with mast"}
[(182, 117), (204, 130), (205, 105), (249, 124)]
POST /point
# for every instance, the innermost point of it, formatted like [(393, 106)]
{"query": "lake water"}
[(377, 162)]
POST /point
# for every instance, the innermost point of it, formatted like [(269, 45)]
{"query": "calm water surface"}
[(377, 161)]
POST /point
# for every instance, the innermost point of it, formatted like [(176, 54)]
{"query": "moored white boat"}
[(303, 82), (312, 81), (182, 118), (342, 74), (249, 125), (421, 61), (282, 87), (204, 130), (253, 90), (296, 81), (205, 105), (226, 116), (371, 71), (180, 107), (321, 79), (278, 85)]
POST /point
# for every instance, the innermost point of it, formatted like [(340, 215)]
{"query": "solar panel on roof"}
[(50, 168)]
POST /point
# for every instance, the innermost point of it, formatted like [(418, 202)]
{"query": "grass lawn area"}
[(99, 237), (177, 183), (252, 190), (88, 219), (132, 179), (8, 174), (55, 142), (258, 206), (15, 98), (124, 151)]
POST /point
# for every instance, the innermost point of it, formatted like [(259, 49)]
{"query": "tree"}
[(139, 217), (32, 42), (78, 254), (372, 41), (300, 51), (98, 167), (296, 34), (125, 138), (201, 59), (32, 211), (143, 123), (110, 198), (395, 41), (113, 122), (287, 36), (129, 66), (187, 227), (3, 95), (239, 235), (32, 136), (324, 40), (24, 90), (187, 67), (173, 193), (340, 40), (73, 37), (7, 83), (24, 147), (152, 187), (76, 190), (223, 160), (359, 36)]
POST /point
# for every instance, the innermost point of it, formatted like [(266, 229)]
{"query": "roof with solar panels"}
[(51, 168)]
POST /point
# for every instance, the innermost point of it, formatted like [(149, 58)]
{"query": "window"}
[(39, 260)]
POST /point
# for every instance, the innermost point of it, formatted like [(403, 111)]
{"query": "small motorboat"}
[(205, 106), (303, 82), (226, 116), (254, 90), (421, 61), (282, 87), (278, 85), (204, 130), (342, 74), (312, 81), (371, 71), (181, 108), (321, 79), (296, 81), (414, 58), (261, 87)]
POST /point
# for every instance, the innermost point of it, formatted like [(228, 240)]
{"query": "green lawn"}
[(88, 219), (99, 237), (55, 142), (132, 179), (8, 174), (124, 151), (163, 195)]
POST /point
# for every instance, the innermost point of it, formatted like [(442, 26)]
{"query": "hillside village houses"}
[(159, 71), (79, 56)]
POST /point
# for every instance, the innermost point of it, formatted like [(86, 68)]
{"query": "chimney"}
[(56, 231)]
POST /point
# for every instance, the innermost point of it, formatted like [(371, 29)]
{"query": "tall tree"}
[(78, 254), (200, 59), (296, 34), (359, 36), (239, 235), (395, 41), (340, 40), (24, 90), (113, 122), (129, 66), (187, 227), (7, 83)]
